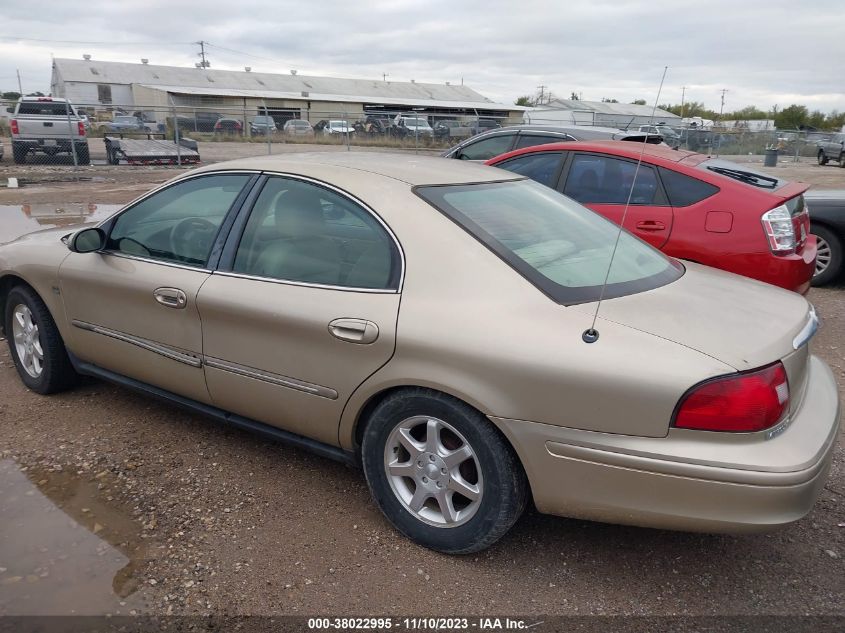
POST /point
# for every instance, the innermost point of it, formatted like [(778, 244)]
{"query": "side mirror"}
[(87, 240)]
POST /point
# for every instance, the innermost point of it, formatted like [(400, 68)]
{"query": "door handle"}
[(358, 331), (171, 297), (650, 225)]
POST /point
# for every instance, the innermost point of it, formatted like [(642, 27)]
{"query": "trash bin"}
[(771, 158)]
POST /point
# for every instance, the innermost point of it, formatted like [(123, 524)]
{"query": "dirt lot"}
[(166, 512)]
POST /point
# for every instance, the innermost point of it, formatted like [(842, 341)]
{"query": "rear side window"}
[(684, 190), (530, 140), (595, 179), (542, 166), (486, 148)]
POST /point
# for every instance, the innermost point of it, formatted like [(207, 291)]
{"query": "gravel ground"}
[(209, 520)]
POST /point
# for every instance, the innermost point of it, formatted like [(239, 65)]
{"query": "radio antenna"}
[(591, 334)]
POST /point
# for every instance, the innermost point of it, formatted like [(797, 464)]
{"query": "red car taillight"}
[(777, 224), (81, 128), (743, 403), (14, 125)]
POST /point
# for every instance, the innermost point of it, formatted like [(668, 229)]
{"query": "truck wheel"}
[(842, 160), (822, 158), (19, 153), (83, 157), (828, 257)]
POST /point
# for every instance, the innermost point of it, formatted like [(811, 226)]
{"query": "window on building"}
[(104, 93)]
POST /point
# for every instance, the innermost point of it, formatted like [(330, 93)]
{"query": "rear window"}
[(562, 248), (742, 173), (45, 108), (684, 190)]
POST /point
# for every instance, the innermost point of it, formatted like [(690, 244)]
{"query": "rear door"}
[(485, 148), (302, 309), (604, 183)]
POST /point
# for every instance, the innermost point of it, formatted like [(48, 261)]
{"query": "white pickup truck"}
[(48, 125)]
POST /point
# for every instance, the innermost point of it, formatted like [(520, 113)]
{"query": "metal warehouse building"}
[(604, 113), (156, 89)]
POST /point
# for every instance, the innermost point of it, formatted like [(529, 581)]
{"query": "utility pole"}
[(722, 107), (541, 91), (683, 94), (20, 89), (384, 76), (204, 63)]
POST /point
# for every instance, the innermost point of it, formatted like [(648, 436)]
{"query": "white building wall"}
[(86, 93)]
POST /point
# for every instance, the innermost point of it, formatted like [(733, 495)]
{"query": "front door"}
[(133, 305), (302, 310), (604, 183)]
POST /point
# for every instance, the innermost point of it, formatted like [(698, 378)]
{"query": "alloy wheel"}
[(433, 471), (27, 341), (823, 256)]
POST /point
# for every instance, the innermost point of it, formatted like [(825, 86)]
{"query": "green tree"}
[(10, 96), (792, 117), (524, 100), (606, 100), (835, 120), (36, 94), (749, 113), (574, 96), (638, 102)]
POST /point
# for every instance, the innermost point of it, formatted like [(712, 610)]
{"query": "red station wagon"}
[(689, 205)]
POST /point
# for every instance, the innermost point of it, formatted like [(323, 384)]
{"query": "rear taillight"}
[(777, 224), (741, 403), (81, 128), (13, 124)]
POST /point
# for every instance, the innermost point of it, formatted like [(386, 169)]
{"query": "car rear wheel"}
[(19, 154), (842, 160), (828, 255), (822, 158), (35, 343), (441, 473)]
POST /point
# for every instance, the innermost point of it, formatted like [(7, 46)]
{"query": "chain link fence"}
[(51, 133)]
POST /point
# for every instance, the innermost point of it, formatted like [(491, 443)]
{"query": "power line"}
[(237, 52), (12, 38)]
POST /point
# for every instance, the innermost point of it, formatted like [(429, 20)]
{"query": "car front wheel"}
[(441, 473), (828, 255), (35, 343), (822, 158)]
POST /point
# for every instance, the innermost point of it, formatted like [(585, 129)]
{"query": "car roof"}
[(410, 169), (626, 149)]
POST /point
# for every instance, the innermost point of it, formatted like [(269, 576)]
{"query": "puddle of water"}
[(17, 220), (64, 548)]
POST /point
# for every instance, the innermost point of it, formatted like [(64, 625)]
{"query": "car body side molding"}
[(319, 448)]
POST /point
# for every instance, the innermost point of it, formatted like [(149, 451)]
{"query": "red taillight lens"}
[(81, 128), (14, 125), (742, 403)]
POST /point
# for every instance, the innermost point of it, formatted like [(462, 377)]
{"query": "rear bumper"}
[(54, 144), (792, 272), (688, 480)]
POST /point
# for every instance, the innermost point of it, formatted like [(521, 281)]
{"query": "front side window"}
[(542, 167), (180, 223), (597, 179), (561, 247), (530, 140), (301, 232), (486, 148)]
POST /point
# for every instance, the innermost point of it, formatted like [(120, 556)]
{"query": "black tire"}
[(83, 157), (834, 267), (505, 488), (842, 160), (822, 158), (19, 153), (57, 373)]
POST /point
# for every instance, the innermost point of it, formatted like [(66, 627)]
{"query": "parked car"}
[(827, 223), (49, 126), (377, 124), (670, 136), (292, 312), (262, 125), (125, 124), (228, 126), (688, 205), (478, 126), (485, 146), (332, 128), (832, 149), (1, 151), (412, 126), (449, 130), (298, 127), (199, 121)]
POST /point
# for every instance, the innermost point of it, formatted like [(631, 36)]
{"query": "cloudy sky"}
[(764, 53)]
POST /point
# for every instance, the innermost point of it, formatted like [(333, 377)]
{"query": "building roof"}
[(222, 82), (606, 107)]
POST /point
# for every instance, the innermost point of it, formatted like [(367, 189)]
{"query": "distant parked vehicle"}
[(298, 127), (199, 121), (262, 125), (47, 125), (479, 126), (376, 124), (125, 124), (337, 127), (412, 126), (832, 149), (495, 142), (451, 130), (670, 136), (228, 126)]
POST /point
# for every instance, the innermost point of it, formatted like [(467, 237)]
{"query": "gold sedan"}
[(439, 324)]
